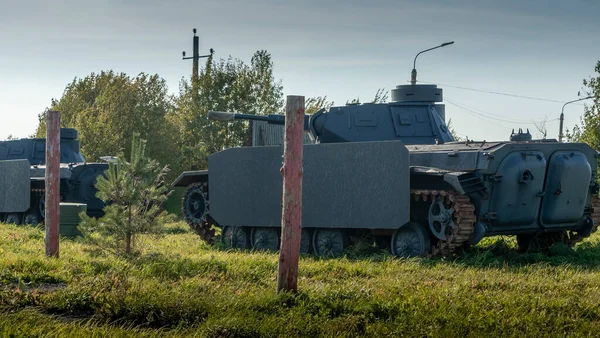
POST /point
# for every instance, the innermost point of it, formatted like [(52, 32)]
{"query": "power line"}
[(497, 93), (481, 116), (488, 116), (491, 115)]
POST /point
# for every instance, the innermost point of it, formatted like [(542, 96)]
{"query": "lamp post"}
[(413, 74), (562, 116)]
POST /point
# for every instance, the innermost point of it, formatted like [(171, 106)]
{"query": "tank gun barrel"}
[(271, 118)]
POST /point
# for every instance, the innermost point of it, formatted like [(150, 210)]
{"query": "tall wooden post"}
[(52, 193), (291, 218), (195, 60)]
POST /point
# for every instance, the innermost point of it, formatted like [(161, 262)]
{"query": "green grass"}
[(179, 287)]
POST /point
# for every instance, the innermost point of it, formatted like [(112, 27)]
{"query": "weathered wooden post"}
[(52, 194), (291, 217)]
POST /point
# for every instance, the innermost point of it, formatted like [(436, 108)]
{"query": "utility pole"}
[(195, 57)]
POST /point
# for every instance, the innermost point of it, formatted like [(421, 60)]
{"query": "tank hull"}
[(374, 188), (76, 186), (77, 178), (520, 187)]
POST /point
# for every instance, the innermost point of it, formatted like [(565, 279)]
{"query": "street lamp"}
[(562, 116), (413, 74)]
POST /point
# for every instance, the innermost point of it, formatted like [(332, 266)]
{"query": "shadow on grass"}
[(493, 252)]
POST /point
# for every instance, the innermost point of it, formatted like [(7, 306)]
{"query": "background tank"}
[(542, 191), (77, 177)]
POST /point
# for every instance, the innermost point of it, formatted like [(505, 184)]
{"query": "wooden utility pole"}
[(52, 194), (291, 217)]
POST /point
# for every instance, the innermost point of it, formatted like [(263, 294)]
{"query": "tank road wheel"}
[(440, 219), (411, 240), (13, 218), (305, 241), (450, 216), (236, 237), (32, 217), (265, 239), (195, 210), (329, 242)]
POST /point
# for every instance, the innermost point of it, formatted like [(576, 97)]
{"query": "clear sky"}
[(342, 49)]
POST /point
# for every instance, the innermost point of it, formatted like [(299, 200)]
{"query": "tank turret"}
[(34, 149), (413, 117)]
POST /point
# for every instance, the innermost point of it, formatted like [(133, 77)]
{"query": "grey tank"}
[(77, 177), (393, 172)]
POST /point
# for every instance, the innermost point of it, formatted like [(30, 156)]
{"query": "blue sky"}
[(342, 49)]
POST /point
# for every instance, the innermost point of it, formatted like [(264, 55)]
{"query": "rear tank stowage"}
[(77, 178), (459, 192)]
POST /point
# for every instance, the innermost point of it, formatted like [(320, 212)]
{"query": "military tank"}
[(77, 178), (393, 172)]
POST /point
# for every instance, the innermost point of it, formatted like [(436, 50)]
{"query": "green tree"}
[(314, 104), (134, 191), (381, 96), (453, 131), (589, 129), (108, 108), (224, 85)]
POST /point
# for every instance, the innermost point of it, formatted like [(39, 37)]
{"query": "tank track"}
[(203, 228), (464, 218)]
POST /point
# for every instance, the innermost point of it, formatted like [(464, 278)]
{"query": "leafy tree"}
[(108, 108), (134, 191), (542, 128), (224, 85), (381, 96), (314, 104), (453, 131), (589, 130)]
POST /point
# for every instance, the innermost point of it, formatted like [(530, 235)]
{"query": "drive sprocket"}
[(194, 206), (462, 217)]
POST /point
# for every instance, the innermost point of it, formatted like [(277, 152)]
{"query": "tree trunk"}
[(128, 243)]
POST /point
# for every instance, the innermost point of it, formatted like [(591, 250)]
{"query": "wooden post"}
[(52, 193), (291, 217)]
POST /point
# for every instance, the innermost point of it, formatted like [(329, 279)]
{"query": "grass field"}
[(180, 287)]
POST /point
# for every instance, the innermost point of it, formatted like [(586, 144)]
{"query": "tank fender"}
[(452, 178), (188, 177), (479, 232)]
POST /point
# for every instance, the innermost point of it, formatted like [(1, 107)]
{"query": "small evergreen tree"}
[(134, 192)]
